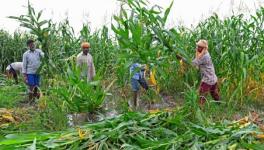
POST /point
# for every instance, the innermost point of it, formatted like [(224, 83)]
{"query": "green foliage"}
[(142, 131), (79, 95), (10, 93), (102, 48), (141, 35), (12, 47), (236, 48), (38, 27)]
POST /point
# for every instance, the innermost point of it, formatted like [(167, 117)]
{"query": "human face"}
[(200, 48), (85, 51), (32, 46)]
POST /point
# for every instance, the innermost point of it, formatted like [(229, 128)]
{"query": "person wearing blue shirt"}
[(137, 73)]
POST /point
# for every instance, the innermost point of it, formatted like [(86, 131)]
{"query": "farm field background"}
[(168, 118)]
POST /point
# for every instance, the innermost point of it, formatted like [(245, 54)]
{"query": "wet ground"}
[(111, 109)]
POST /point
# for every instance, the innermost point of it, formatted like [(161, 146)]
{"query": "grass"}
[(28, 118), (11, 95)]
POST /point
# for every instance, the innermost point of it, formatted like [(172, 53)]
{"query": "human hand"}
[(25, 79), (199, 55), (178, 57)]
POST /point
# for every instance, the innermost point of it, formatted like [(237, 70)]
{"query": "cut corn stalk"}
[(159, 130), (81, 133), (260, 136), (153, 81)]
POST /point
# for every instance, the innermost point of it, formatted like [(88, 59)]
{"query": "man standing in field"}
[(137, 73), (14, 69), (204, 63), (31, 64), (85, 62)]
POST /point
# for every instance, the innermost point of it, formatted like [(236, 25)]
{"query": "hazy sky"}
[(99, 12)]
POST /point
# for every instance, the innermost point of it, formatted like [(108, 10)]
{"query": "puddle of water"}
[(77, 119), (109, 111)]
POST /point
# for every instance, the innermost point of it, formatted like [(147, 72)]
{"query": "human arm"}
[(92, 69), (24, 68)]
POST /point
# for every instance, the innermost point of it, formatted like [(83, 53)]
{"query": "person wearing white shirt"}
[(14, 69), (85, 62), (31, 64)]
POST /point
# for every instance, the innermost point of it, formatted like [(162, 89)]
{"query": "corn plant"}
[(234, 60), (78, 94), (12, 47), (235, 45), (102, 49), (38, 27), (136, 36)]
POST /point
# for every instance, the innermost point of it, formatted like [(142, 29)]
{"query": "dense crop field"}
[(138, 32)]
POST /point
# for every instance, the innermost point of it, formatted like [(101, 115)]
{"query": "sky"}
[(100, 12)]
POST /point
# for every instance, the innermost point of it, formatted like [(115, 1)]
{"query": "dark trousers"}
[(205, 89)]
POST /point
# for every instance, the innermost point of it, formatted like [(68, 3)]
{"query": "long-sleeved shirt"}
[(85, 62), (17, 66), (206, 68), (136, 71), (32, 61)]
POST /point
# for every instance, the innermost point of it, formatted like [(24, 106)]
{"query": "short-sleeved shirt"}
[(32, 61), (17, 66), (206, 68), (136, 71), (85, 62)]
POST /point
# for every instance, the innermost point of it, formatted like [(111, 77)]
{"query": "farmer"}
[(31, 64), (203, 62), (137, 72), (14, 69), (85, 62)]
